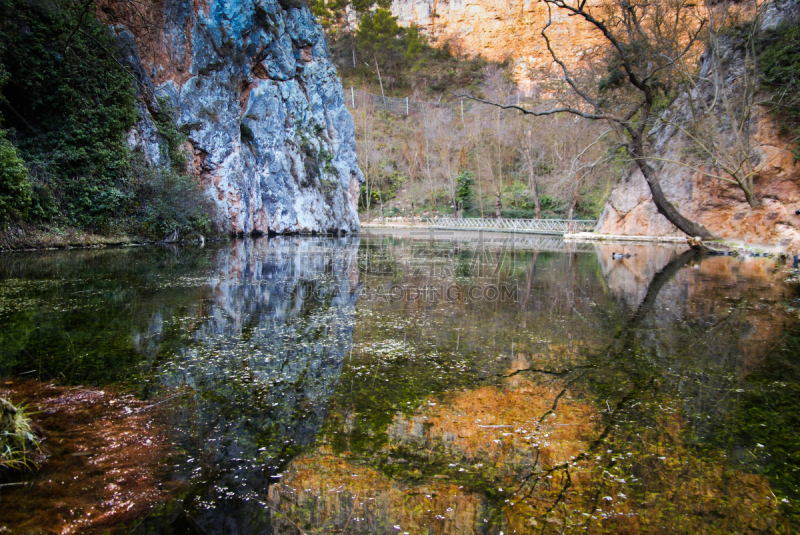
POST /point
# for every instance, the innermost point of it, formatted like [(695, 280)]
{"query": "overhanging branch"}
[(526, 111)]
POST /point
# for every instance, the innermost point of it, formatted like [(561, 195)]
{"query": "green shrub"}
[(15, 190), (72, 106), (16, 436), (465, 182), (174, 138), (780, 72), (168, 201)]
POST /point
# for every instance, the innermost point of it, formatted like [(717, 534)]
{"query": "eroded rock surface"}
[(718, 205), (252, 86)]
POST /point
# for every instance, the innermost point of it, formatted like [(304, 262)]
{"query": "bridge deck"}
[(531, 226)]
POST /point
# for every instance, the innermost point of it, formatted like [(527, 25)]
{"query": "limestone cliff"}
[(251, 84)]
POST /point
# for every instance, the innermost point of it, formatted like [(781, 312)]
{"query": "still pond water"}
[(402, 383)]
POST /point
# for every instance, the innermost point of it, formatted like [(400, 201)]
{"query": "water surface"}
[(402, 383)]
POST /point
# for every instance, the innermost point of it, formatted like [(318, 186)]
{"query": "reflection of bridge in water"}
[(528, 226), (532, 242)]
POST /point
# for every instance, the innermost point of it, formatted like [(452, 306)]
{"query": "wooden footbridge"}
[(529, 226)]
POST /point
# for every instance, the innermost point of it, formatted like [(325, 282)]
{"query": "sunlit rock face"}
[(718, 205), (264, 357), (252, 86), (500, 30)]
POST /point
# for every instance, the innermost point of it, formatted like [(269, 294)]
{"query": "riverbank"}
[(30, 238), (394, 224), (727, 245), (734, 246)]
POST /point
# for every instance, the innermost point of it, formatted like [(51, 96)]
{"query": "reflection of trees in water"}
[(70, 314), (654, 373), (631, 461), (265, 356)]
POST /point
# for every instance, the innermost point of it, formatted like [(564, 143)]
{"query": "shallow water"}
[(402, 383)]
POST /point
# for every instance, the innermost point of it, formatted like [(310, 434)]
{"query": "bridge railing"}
[(535, 226)]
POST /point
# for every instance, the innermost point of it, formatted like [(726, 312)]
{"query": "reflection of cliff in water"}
[(266, 355), (713, 290)]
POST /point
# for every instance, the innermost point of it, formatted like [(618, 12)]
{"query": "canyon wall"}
[(251, 85)]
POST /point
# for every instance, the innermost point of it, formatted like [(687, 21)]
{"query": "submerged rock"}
[(252, 86)]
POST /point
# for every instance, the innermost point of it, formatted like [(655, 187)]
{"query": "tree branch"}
[(554, 111)]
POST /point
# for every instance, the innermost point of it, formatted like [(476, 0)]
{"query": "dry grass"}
[(26, 237), (17, 437)]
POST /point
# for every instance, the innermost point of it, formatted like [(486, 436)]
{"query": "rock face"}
[(499, 30), (252, 86), (718, 205)]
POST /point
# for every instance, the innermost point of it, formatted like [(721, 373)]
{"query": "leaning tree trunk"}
[(663, 205), (498, 207), (749, 195)]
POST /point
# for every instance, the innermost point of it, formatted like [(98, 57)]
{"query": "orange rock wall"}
[(500, 30), (718, 205)]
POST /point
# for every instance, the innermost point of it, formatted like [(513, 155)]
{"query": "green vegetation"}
[(16, 436), (405, 58), (15, 190), (174, 138), (466, 181), (67, 104)]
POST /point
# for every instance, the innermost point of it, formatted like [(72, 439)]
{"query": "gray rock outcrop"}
[(251, 85)]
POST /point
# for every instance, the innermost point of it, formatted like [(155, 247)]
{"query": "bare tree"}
[(577, 147), (366, 147), (721, 97), (530, 152)]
